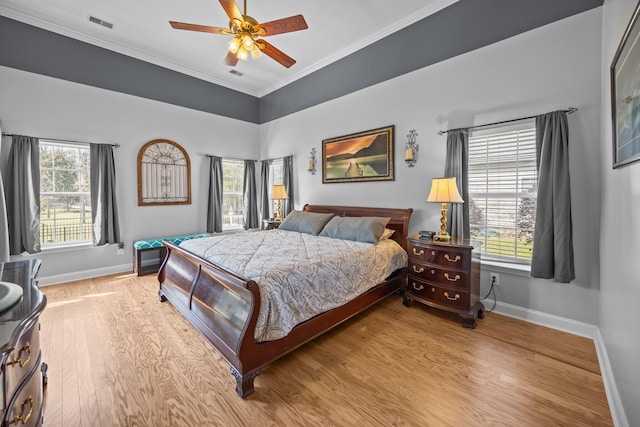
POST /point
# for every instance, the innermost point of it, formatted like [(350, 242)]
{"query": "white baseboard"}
[(610, 388), (577, 328), (574, 327), (84, 274)]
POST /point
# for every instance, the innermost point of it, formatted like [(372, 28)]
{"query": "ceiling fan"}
[(247, 32)]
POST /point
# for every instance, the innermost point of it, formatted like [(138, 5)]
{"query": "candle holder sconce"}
[(411, 148), (311, 166)]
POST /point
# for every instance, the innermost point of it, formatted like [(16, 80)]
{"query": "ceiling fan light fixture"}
[(234, 45), (256, 52), (242, 53), (247, 42)]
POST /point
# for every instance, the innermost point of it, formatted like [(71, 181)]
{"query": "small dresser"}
[(22, 370), (445, 276)]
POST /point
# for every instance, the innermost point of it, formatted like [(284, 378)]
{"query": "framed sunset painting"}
[(362, 156)]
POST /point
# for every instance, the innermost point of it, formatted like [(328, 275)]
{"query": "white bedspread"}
[(300, 275)]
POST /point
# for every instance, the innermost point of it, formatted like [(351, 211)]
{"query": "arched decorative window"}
[(164, 174)]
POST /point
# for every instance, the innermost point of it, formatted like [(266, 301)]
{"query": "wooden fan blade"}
[(231, 10), (231, 59), (275, 53), (200, 28), (284, 25)]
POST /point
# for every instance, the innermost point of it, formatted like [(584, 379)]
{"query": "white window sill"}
[(58, 249), (523, 270)]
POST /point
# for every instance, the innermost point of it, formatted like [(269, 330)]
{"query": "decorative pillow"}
[(305, 222), (360, 229), (387, 233)]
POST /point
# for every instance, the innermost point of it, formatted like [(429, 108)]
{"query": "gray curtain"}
[(287, 180), (457, 165), (23, 195), (104, 207), (250, 193), (553, 236), (214, 205), (4, 227), (265, 210)]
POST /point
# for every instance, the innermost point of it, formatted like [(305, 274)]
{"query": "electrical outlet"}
[(120, 251), (494, 279)]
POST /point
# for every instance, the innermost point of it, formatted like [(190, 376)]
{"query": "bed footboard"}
[(220, 304)]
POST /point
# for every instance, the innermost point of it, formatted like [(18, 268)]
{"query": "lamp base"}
[(442, 237)]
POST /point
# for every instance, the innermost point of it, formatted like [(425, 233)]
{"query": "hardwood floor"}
[(118, 357)]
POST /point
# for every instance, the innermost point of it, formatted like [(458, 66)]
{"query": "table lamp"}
[(278, 193), (444, 190)]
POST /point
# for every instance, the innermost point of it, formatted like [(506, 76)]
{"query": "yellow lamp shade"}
[(444, 190), (278, 192)]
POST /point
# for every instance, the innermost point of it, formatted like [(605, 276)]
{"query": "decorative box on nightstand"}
[(445, 275), (270, 224)]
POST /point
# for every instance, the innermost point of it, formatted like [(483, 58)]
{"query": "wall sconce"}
[(311, 167), (410, 148)]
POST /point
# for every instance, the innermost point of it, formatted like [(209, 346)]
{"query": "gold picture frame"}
[(361, 156)]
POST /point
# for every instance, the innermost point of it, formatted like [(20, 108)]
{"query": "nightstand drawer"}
[(439, 275), (447, 297), (452, 258)]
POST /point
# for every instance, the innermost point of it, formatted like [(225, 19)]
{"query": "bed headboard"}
[(399, 218)]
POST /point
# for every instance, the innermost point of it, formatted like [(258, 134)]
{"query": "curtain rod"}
[(568, 111), (230, 158), (63, 140)]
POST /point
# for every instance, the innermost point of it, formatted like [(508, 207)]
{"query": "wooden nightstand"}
[(445, 276), (270, 224)]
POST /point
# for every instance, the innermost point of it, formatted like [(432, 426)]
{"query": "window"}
[(275, 178), (232, 194), (503, 184), (65, 198)]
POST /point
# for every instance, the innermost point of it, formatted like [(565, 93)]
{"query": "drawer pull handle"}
[(418, 270), (433, 253), (416, 287), (418, 253), (19, 361), (433, 272), (456, 259), (433, 289), (455, 279), (24, 418), (446, 294)]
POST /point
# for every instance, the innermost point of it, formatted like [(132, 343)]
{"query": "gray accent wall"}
[(32, 49), (462, 27)]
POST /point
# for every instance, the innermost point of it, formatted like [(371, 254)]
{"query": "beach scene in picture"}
[(360, 157)]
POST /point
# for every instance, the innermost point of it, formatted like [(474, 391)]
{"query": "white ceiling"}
[(141, 30)]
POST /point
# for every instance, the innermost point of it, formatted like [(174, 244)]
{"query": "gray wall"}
[(619, 236), (524, 75)]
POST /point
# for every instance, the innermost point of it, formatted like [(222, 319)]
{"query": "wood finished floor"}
[(118, 357)]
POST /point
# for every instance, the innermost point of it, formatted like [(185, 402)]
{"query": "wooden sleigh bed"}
[(224, 306)]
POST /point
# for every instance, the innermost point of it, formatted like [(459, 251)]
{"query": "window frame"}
[(513, 168), (83, 221), (232, 226)]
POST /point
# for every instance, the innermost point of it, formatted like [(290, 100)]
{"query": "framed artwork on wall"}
[(164, 174), (362, 156), (625, 95)]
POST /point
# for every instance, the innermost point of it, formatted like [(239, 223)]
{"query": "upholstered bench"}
[(149, 254)]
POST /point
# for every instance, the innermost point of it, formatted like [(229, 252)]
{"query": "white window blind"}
[(503, 184)]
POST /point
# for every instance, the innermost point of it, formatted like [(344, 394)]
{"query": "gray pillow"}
[(360, 229), (305, 222)]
